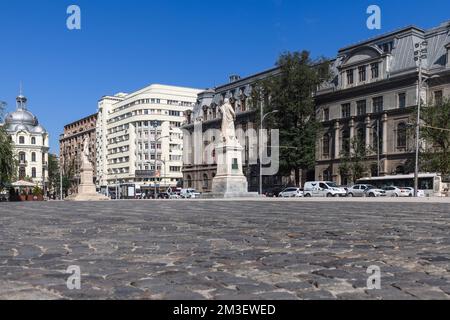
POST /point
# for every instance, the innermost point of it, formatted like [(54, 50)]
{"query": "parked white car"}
[(374, 192), (409, 192), (291, 193), (189, 194), (392, 191), (323, 189)]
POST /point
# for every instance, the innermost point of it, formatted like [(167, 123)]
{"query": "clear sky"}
[(126, 45)]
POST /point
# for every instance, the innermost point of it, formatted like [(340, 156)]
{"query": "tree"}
[(53, 172), (354, 160), (8, 163), (291, 92), (435, 131)]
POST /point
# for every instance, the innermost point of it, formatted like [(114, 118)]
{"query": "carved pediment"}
[(360, 55)]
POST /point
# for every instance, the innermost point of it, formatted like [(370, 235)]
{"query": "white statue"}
[(85, 155), (228, 118)]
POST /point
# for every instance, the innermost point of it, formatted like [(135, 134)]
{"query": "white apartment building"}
[(139, 137)]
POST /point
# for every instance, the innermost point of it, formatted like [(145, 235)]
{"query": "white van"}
[(323, 189)]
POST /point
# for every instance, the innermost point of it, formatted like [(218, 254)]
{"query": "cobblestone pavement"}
[(225, 250)]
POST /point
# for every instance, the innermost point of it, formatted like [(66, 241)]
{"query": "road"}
[(307, 249)]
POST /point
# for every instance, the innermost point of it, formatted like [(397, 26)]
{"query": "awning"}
[(23, 184)]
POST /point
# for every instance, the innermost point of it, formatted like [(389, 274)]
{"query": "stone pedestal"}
[(87, 190), (230, 181)]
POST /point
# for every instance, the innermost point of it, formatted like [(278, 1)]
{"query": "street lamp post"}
[(419, 54), (263, 117), (60, 181)]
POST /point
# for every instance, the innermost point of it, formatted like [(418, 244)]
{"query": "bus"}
[(431, 183)]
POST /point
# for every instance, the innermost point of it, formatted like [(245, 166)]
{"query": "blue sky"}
[(126, 45)]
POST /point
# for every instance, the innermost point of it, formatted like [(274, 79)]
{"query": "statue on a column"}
[(228, 118), (85, 154)]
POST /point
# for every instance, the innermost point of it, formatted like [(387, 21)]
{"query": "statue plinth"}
[(229, 181), (86, 189)]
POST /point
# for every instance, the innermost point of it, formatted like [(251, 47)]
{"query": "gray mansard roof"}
[(401, 57)]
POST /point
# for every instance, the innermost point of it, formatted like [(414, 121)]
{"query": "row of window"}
[(154, 101), (362, 73), (123, 138), (144, 146), (119, 160), (22, 140), (23, 175), (377, 105), (401, 133), (119, 170), (23, 157), (118, 150)]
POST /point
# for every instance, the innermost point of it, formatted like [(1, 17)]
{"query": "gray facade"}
[(373, 95)]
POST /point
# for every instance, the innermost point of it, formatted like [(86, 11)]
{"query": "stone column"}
[(368, 131), (336, 140), (385, 142), (384, 123), (352, 134)]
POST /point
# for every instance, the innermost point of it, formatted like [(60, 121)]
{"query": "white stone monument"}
[(86, 189), (229, 181)]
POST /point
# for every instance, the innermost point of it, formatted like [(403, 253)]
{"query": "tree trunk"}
[(297, 177)]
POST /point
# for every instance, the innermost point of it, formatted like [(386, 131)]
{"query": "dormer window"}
[(350, 79), (387, 47)]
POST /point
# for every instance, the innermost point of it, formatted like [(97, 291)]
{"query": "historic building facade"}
[(31, 143), (373, 95), (200, 166), (139, 137), (71, 145)]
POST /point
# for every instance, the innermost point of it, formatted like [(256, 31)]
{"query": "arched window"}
[(33, 172), (21, 140), (33, 140), (33, 157), (401, 135), (326, 146)]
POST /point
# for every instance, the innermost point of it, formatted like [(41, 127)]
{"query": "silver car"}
[(291, 193), (359, 190)]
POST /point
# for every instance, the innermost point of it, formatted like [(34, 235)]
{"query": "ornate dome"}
[(22, 119)]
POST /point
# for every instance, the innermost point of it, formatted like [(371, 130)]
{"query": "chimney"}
[(234, 78)]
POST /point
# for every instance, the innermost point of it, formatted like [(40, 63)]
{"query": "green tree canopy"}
[(291, 92), (7, 158), (435, 131)]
